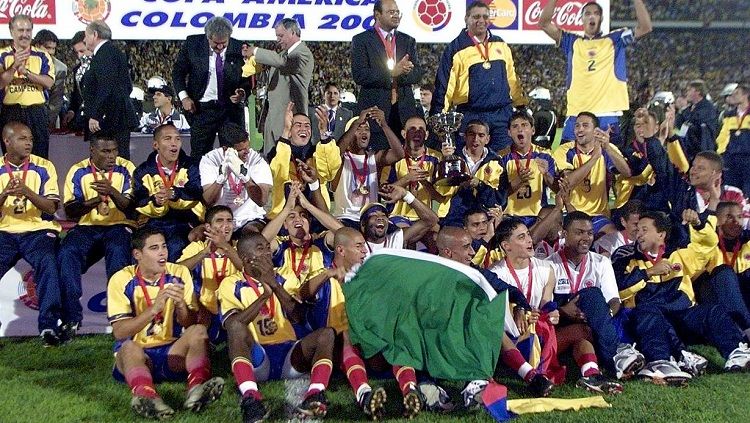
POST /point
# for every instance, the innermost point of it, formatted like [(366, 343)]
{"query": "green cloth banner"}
[(427, 312)]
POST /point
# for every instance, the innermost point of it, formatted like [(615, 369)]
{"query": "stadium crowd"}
[(633, 231)]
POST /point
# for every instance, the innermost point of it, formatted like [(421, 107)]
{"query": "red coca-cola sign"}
[(41, 11), (567, 14)]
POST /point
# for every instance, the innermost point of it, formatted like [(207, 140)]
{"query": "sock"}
[(588, 364), (319, 376), (199, 371), (514, 360), (141, 383), (245, 378), (406, 378), (354, 368)]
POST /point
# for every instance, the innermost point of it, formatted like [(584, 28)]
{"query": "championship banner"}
[(429, 21)]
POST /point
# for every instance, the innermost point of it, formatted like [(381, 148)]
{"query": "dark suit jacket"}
[(106, 88), (190, 72), (370, 72), (342, 116)]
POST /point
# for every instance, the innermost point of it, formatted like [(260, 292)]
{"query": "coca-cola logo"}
[(567, 15), (41, 11)]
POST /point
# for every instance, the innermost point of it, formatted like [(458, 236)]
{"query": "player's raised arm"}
[(642, 18), (545, 21)]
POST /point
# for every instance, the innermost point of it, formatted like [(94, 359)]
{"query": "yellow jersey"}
[(21, 91), (78, 188), (532, 196), (296, 263), (208, 274), (19, 214), (597, 80), (128, 296), (427, 162), (270, 326)]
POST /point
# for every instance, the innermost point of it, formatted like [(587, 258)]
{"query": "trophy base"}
[(452, 181)]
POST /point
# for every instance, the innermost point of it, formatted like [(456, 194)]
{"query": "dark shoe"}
[(413, 403), (315, 405), (253, 411), (372, 403), (600, 384), (49, 338), (540, 385), (69, 331)]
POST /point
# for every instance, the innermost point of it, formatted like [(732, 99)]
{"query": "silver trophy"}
[(452, 170)]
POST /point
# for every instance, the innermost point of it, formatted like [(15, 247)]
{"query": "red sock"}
[(514, 360), (406, 378), (354, 368), (245, 378), (319, 376), (199, 371), (588, 364), (141, 383)]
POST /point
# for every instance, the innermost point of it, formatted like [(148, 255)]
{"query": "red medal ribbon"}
[(658, 256), (580, 161), (625, 237), (236, 187), (105, 198), (518, 281), (486, 43), (219, 275), (269, 307), (297, 268), (24, 165), (582, 269), (735, 252), (173, 174), (390, 50), (517, 159), (159, 318), (360, 174)]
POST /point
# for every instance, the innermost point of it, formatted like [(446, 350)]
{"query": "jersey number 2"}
[(592, 65)]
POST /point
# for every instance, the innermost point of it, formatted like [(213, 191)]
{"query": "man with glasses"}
[(207, 76), (385, 66)]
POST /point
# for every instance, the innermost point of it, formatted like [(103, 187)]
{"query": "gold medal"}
[(238, 201), (267, 326), (103, 208), (363, 190), (487, 65), (391, 64), (156, 329)]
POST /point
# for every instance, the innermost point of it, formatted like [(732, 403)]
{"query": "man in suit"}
[(337, 114), (106, 88), (288, 80), (207, 76), (385, 66)]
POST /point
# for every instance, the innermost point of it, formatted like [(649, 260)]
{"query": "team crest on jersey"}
[(487, 171), (747, 256), (592, 53), (180, 183), (589, 283), (677, 267)]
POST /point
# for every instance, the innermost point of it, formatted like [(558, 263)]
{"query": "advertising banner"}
[(429, 21)]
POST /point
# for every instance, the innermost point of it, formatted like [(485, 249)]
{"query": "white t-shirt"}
[(394, 239), (598, 272), (541, 272), (540, 275), (348, 199), (610, 242), (258, 170)]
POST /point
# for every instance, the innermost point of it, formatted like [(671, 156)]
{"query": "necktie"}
[(331, 120), (219, 78)]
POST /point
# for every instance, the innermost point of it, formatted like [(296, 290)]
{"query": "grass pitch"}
[(73, 383)]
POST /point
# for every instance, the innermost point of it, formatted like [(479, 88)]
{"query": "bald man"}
[(29, 196), (324, 291)]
